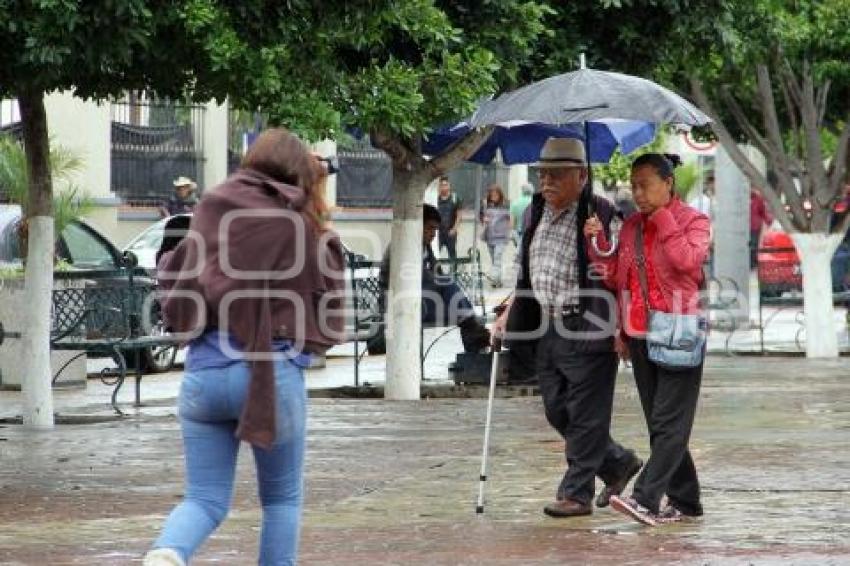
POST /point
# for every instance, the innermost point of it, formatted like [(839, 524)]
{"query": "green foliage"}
[(618, 169), (638, 37), (401, 66), (686, 178), (70, 204), (764, 32)]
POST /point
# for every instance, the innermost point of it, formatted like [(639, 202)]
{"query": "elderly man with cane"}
[(560, 301)]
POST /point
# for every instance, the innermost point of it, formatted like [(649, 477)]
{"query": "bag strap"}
[(640, 259)]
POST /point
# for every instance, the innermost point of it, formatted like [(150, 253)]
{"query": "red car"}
[(778, 265)]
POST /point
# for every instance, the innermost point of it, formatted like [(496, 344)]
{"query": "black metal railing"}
[(153, 143)]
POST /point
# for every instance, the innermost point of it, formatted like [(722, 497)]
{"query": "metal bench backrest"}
[(102, 309)]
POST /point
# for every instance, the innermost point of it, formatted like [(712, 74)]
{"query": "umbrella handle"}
[(599, 252)]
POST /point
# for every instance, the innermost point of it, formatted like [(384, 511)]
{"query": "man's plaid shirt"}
[(553, 257)]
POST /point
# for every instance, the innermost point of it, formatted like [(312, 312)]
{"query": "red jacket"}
[(681, 246)]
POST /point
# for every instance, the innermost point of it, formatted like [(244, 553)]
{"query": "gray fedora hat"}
[(562, 152)]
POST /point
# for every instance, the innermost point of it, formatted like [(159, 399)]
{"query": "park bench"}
[(368, 313), (108, 314)]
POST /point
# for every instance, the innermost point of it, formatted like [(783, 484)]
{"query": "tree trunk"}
[(405, 301), (36, 381), (816, 251)]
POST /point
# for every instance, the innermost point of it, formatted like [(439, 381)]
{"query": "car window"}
[(10, 244), (86, 250), (149, 240)]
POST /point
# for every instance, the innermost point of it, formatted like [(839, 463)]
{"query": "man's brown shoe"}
[(617, 488), (567, 508)]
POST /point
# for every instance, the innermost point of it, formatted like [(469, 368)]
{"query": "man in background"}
[(183, 200), (448, 205), (760, 217)]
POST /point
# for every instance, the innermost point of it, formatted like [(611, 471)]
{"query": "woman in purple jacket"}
[(675, 241), (248, 287)]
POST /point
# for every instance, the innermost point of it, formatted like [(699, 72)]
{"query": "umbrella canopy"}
[(588, 95), (521, 142)]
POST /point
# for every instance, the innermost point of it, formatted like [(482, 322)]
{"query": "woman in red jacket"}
[(675, 245)]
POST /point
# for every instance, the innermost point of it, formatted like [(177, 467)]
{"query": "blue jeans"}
[(211, 401)]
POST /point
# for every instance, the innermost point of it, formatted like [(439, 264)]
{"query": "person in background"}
[(760, 217), (518, 208), (558, 296), (183, 200), (496, 220), (253, 338), (448, 205), (661, 269), (443, 301)]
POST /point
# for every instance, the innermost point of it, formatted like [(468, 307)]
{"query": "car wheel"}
[(769, 293), (159, 359)]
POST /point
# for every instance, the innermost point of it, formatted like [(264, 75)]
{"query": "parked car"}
[(147, 242), (779, 268), (79, 245), (81, 248)]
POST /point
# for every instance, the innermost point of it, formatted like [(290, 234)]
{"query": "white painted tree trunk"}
[(36, 380), (404, 373), (816, 251)]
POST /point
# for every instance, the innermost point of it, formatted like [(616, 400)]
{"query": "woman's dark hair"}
[(663, 163), (430, 214), (174, 231)]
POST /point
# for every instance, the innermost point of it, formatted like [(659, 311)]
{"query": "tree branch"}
[(741, 117), (742, 161), (460, 151), (814, 152), (400, 154), (822, 96), (782, 162), (839, 161), (790, 79), (792, 115)]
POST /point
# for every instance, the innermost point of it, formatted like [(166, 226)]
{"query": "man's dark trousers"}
[(578, 394), (449, 242), (669, 401)]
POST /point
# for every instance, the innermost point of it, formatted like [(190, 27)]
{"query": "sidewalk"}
[(396, 482)]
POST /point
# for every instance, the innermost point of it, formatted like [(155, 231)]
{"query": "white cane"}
[(494, 371)]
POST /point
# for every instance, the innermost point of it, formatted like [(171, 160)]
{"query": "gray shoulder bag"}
[(674, 341)]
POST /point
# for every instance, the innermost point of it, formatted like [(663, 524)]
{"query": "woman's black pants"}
[(669, 401)]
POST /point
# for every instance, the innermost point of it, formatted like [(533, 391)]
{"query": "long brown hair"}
[(282, 156), (500, 195)]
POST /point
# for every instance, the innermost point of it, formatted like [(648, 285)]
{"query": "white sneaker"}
[(163, 557)]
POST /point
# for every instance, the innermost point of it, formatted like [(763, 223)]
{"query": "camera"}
[(331, 163)]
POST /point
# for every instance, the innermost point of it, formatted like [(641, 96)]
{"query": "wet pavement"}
[(396, 482)]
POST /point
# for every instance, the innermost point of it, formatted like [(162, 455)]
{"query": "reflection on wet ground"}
[(395, 483)]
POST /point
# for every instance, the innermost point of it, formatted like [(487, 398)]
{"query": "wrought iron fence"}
[(365, 179), (153, 143)]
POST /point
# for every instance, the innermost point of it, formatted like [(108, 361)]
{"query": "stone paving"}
[(396, 482)]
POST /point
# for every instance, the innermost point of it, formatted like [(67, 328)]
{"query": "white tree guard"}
[(405, 310), (816, 251), (36, 379)]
